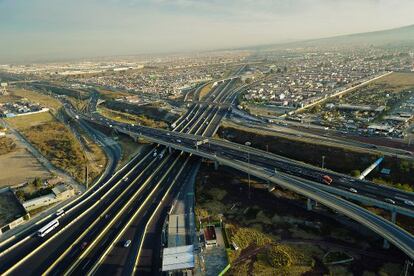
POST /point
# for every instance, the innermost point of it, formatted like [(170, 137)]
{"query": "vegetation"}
[(7, 145), (56, 143), (204, 91), (128, 118)]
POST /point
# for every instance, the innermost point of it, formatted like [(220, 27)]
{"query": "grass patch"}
[(36, 97), (129, 118), (26, 121), (205, 90)]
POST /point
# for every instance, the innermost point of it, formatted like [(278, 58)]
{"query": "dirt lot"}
[(21, 166), (54, 141), (277, 236)]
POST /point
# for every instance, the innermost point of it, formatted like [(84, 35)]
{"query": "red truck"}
[(327, 179)]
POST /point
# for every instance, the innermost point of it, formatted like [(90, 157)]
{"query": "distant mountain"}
[(391, 36), (403, 36)]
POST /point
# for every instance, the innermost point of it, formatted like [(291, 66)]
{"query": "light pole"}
[(323, 161), (248, 162)]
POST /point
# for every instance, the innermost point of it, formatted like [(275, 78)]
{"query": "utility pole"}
[(248, 175), (86, 176)]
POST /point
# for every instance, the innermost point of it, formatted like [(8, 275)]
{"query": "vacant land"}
[(54, 141), (112, 95), (18, 94), (26, 121), (129, 118), (7, 145), (204, 91), (20, 166), (276, 235)]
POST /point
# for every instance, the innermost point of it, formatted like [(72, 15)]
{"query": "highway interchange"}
[(130, 204)]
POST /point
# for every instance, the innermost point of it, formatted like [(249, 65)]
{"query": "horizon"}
[(54, 31)]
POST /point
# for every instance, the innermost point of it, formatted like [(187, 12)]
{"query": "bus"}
[(48, 228)]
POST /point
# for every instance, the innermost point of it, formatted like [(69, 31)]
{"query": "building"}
[(210, 237), (63, 191), (178, 260)]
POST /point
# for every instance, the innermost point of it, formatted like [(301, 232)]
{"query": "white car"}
[(389, 200), (60, 212), (409, 202), (127, 243), (353, 190)]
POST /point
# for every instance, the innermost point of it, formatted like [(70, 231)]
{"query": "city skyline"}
[(54, 30)]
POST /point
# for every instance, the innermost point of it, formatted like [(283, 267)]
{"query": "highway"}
[(393, 233), (133, 202), (62, 250)]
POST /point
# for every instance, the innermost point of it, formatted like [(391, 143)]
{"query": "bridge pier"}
[(309, 204), (169, 149), (386, 244), (393, 216), (216, 165)]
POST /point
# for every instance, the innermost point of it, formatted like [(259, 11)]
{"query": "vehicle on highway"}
[(154, 154), (48, 228), (409, 202), (125, 178), (353, 190), (178, 141), (168, 134), (83, 245), (327, 179), (60, 212), (389, 200), (127, 243), (160, 156)]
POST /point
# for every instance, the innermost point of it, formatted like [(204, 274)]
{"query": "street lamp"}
[(323, 161)]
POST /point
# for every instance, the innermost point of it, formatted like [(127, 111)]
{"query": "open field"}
[(21, 166), (111, 95), (398, 80), (129, 118), (204, 91), (27, 121), (276, 235), (54, 141), (17, 94), (7, 145)]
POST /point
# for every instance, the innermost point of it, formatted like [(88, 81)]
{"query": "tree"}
[(355, 173), (20, 195), (37, 182)]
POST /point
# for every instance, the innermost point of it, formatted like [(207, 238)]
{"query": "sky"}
[(45, 30)]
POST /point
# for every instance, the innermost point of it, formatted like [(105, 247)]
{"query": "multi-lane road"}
[(89, 233), (131, 205)]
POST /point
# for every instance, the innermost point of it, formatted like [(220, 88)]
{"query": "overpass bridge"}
[(221, 153)]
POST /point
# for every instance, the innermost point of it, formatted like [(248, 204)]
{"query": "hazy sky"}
[(48, 29)]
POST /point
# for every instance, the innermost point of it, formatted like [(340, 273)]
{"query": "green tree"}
[(20, 195), (37, 182), (355, 173)]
